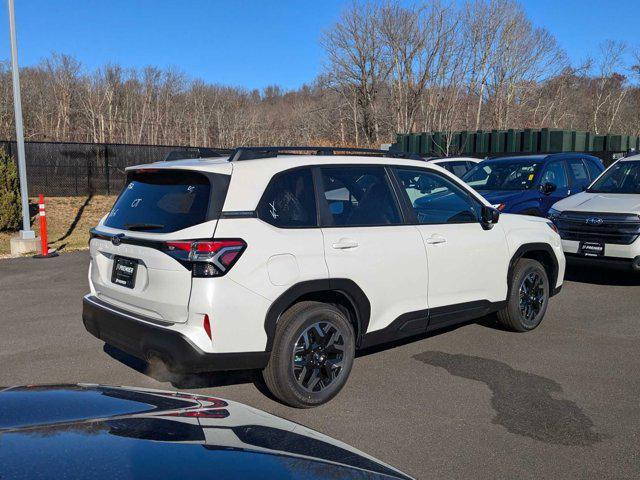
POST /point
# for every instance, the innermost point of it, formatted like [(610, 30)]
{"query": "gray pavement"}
[(473, 402)]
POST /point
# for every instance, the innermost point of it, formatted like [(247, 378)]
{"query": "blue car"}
[(531, 184)]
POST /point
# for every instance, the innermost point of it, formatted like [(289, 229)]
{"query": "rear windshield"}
[(167, 200)]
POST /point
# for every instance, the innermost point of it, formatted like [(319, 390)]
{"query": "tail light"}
[(208, 413), (207, 258)]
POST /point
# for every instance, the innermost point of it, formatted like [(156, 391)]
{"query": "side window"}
[(435, 199), (359, 196), (458, 168), (289, 200), (556, 174), (578, 173), (594, 171)]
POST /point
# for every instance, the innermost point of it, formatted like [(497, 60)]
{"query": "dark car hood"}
[(82, 431), (501, 196)]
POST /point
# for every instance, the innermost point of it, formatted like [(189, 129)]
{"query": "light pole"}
[(26, 233)]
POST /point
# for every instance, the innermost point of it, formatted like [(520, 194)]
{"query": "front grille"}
[(616, 228)]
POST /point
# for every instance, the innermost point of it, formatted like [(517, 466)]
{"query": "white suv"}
[(602, 224), (292, 262)]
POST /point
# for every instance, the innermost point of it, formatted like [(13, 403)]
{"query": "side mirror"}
[(548, 188), (490, 217)]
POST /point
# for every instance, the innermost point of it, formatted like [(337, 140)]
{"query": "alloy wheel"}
[(318, 356), (532, 297)]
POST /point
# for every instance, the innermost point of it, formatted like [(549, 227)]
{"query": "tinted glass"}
[(622, 177), (435, 199), (578, 173), (359, 196), (289, 200), (555, 173), (502, 175), (594, 169), (457, 168), (167, 200)]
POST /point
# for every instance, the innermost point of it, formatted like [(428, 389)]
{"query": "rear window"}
[(289, 200), (457, 168), (164, 201)]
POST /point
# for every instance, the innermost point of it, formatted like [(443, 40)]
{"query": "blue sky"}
[(250, 43)]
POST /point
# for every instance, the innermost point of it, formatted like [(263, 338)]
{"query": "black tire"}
[(298, 355), (528, 301)]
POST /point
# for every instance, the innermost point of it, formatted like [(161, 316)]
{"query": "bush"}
[(10, 210)]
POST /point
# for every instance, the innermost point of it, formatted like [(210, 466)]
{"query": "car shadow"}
[(488, 321), (524, 403), (602, 275), (159, 372)]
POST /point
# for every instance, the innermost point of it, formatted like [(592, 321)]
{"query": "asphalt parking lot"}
[(473, 402)]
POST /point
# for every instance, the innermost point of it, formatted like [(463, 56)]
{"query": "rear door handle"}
[(435, 240), (345, 243)]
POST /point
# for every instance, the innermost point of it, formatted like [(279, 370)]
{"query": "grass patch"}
[(69, 220)]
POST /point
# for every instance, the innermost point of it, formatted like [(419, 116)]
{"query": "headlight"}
[(553, 227), (553, 214)]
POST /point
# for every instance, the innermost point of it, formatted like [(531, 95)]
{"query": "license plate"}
[(124, 271), (591, 249)]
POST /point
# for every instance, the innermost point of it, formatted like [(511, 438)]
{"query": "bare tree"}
[(609, 86), (355, 52), (390, 67)]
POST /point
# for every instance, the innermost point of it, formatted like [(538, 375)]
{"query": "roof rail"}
[(254, 153), (188, 153)]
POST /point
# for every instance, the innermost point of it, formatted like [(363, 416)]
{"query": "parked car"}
[(459, 166), (603, 223), (292, 263), (530, 184), (103, 432)]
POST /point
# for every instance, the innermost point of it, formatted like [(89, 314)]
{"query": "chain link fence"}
[(79, 169)]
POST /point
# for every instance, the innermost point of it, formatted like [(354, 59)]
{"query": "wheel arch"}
[(343, 293), (542, 253)]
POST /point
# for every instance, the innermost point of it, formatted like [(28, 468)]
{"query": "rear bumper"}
[(143, 339)]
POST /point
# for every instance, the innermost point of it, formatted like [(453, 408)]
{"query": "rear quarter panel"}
[(275, 259)]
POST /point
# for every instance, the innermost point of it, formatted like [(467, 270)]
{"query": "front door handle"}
[(435, 240), (345, 243)]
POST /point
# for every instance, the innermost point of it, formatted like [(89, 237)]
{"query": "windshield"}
[(163, 201), (623, 177), (502, 175)]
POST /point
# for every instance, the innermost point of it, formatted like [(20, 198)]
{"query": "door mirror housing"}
[(490, 217), (548, 188)]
